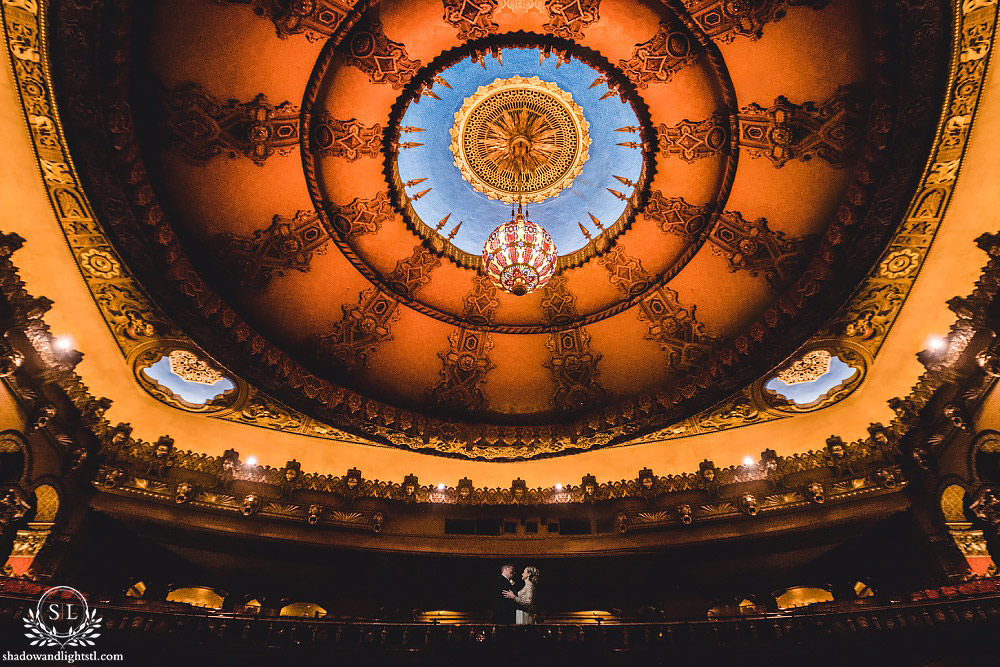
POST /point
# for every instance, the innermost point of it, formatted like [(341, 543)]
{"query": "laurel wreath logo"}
[(82, 635)]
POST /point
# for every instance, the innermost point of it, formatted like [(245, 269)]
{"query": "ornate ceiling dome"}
[(306, 192)]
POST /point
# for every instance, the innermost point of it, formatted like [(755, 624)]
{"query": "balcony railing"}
[(124, 622)]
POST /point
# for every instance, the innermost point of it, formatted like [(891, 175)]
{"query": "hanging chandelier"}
[(519, 256), (520, 139)]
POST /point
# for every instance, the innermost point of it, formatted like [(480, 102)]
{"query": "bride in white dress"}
[(525, 598)]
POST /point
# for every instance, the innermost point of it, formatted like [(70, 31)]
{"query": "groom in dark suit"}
[(504, 608)]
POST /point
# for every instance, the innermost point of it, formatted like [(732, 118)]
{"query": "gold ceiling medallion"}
[(520, 138)]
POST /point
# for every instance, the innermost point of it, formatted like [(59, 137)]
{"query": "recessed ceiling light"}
[(936, 343), (62, 343)]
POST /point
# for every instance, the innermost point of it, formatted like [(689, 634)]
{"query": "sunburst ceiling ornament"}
[(519, 256), (520, 138)]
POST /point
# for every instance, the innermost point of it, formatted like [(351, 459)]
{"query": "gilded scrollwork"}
[(693, 140), (751, 245), (130, 316), (786, 131), (481, 303), (345, 139), (360, 216), (414, 272), (362, 328), (870, 314), (574, 368), (734, 412), (259, 410), (570, 18), (674, 327), (464, 366)]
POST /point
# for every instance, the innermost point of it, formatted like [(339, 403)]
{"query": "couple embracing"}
[(515, 598)]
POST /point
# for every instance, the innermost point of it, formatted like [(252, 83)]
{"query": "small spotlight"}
[(62, 343), (748, 461), (936, 343), (251, 460), (440, 487), (558, 487)]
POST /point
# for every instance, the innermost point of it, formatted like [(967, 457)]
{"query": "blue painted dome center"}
[(441, 192)]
